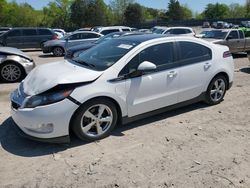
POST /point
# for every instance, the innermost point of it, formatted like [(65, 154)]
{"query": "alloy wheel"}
[(218, 90), (96, 120), (58, 51), (11, 72)]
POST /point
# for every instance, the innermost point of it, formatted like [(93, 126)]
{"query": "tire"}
[(58, 51), (11, 72), (89, 124), (216, 90)]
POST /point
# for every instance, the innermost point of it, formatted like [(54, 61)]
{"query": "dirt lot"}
[(195, 146)]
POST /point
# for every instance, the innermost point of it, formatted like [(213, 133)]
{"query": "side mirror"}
[(146, 66), (229, 37)]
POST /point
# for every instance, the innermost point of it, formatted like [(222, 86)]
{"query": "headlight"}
[(45, 99), (25, 60)]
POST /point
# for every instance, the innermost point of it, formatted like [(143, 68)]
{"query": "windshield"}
[(215, 34), (106, 54), (108, 37)]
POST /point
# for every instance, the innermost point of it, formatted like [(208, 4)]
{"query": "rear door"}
[(30, 38), (44, 35), (13, 38), (195, 69)]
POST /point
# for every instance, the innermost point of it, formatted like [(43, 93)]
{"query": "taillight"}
[(54, 37), (227, 54)]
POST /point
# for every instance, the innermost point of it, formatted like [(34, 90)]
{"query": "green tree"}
[(187, 12), (89, 13), (57, 14), (150, 13), (216, 11), (133, 14), (237, 11), (118, 8), (175, 11), (248, 8)]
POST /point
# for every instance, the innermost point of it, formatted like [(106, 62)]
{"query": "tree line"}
[(88, 13)]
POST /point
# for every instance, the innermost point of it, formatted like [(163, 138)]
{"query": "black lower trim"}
[(230, 85), (58, 140), (74, 100), (126, 119)]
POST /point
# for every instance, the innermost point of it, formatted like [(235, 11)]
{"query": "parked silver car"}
[(14, 65), (57, 47)]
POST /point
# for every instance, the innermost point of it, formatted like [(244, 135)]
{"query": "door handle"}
[(207, 65), (172, 74)]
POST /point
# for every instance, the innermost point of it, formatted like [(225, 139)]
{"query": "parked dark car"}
[(4, 30), (76, 50), (27, 37)]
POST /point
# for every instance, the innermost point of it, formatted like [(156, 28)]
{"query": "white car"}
[(111, 29), (184, 31), (120, 80)]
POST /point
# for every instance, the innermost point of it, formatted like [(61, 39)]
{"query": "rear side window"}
[(125, 29), (234, 34), (105, 32), (162, 55), (188, 31), (90, 35), (179, 31), (29, 32), (44, 32), (241, 34), (14, 33), (190, 53), (247, 34)]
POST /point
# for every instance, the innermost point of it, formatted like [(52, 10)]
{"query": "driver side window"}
[(162, 55)]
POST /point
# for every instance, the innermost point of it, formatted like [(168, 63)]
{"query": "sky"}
[(195, 5)]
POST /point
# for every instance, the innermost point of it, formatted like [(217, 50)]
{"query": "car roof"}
[(142, 38)]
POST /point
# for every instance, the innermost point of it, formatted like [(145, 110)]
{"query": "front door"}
[(155, 89)]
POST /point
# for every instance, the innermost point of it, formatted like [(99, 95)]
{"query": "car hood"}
[(81, 47), (50, 75), (13, 51)]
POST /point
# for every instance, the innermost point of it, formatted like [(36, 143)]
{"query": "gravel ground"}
[(195, 146)]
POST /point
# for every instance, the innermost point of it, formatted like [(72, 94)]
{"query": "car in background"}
[(206, 25), (24, 38), (169, 31), (59, 35), (84, 29), (214, 25), (14, 65), (112, 29), (76, 50), (119, 81), (203, 33), (57, 47), (4, 30), (60, 31), (245, 24), (235, 39)]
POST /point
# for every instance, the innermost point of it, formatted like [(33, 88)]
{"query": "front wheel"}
[(95, 120), (58, 51), (216, 90), (11, 73)]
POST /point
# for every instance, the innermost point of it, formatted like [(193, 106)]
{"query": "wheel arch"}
[(222, 73), (119, 110)]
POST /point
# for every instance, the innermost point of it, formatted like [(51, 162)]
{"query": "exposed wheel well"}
[(103, 98)]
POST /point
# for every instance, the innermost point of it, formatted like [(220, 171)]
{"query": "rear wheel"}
[(11, 72), (95, 120), (58, 51), (216, 90)]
